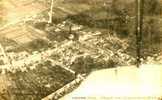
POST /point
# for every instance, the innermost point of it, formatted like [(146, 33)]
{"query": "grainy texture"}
[(46, 44)]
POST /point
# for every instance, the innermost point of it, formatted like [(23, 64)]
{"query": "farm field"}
[(43, 60)]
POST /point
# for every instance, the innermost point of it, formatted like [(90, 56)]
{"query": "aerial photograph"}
[(80, 49)]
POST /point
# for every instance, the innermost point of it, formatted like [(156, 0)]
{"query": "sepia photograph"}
[(80, 49)]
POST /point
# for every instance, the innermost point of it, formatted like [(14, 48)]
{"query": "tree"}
[(151, 34), (152, 7), (120, 11), (38, 44)]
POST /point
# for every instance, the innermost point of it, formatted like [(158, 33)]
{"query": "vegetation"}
[(105, 40), (39, 82), (152, 7), (37, 44)]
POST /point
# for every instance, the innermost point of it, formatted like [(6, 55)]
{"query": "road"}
[(13, 11), (4, 84), (16, 12)]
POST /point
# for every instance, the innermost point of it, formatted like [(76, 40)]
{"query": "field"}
[(40, 59)]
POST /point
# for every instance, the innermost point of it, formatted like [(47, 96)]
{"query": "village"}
[(47, 48)]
